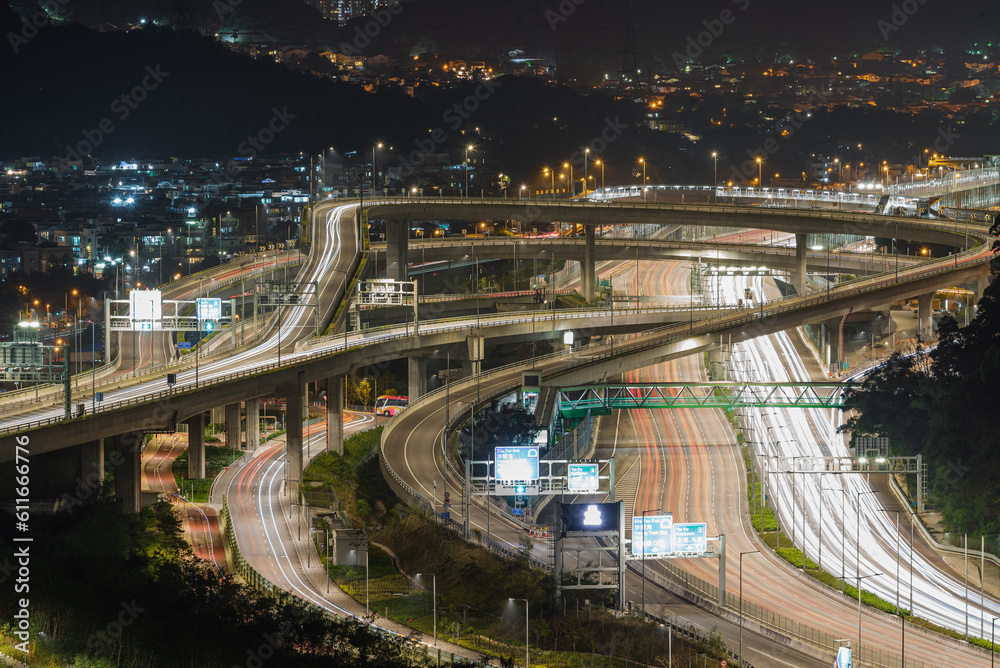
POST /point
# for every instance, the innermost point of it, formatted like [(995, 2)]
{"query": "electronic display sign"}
[(652, 534), (582, 478), (144, 305), (209, 308), (517, 463), (590, 516), (690, 537)]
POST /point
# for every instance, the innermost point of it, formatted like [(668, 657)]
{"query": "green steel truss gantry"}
[(575, 402)]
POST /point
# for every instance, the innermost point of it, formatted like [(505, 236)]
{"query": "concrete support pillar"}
[(588, 278), (252, 424), (128, 451), (396, 237), (196, 446), (835, 337), (233, 426), (92, 462), (979, 287), (293, 437), (216, 415), (476, 344), (417, 375), (335, 414), (924, 325), (716, 365), (799, 273)]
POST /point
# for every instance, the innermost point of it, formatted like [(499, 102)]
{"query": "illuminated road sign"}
[(209, 308), (652, 534), (690, 537), (517, 463), (582, 478)]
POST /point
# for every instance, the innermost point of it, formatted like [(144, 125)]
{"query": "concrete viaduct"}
[(331, 357)]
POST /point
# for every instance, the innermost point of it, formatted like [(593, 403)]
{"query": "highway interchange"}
[(690, 467)]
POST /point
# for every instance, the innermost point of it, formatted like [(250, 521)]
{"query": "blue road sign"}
[(690, 537)]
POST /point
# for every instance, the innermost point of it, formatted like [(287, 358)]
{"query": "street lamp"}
[(642, 161), (760, 173), (843, 534), (374, 170), (993, 640), (586, 159), (601, 163), (859, 578), (857, 545), (522, 191), (572, 184), (740, 656), (434, 595), (526, 661), (886, 510), (715, 157), (644, 513), (468, 148)]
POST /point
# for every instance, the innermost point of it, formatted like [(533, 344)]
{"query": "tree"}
[(941, 406)]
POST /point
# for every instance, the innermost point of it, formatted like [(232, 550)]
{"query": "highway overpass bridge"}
[(147, 404), (398, 215), (776, 258)]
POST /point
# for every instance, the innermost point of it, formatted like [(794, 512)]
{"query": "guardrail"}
[(649, 339), (413, 651), (769, 619), (826, 214)]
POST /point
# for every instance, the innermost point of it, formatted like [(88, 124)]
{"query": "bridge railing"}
[(753, 612), (650, 339), (46, 391)]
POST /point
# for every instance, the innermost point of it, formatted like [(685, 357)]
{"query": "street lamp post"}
[(572, 184), (857, 545), (740, 656), (842, 502), (601, 163), (93, 365), (886, 510), (644, 513), (586, 160), (859, 578), (760, 173), (715, 180), (434, 595), (527, 663), (993, 636), (374, 170), (467, 149), (642, 161)]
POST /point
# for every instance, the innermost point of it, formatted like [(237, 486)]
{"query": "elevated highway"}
[(620, 250), (145, 403), (258, 373), (399, 213)]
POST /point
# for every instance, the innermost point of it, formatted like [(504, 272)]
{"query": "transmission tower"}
[(630, 82), (182, 15)]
